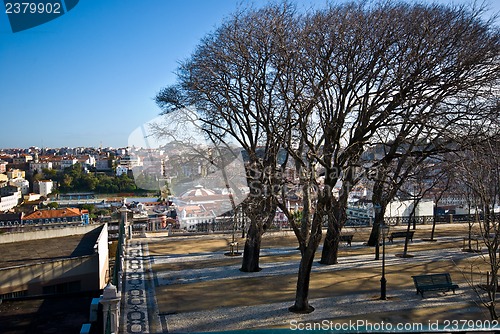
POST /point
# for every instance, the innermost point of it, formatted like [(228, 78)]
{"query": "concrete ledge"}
[(46, 234)]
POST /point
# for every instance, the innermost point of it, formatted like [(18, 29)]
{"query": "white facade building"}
[(88, 161), (39, 166), (45, 187), (21, 183), (190, 216), (3, 166), (404, 208), (130, 161), (65, 163), (9, 202), (120, 170)]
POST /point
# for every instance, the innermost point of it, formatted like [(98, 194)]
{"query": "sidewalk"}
[(140, 312)]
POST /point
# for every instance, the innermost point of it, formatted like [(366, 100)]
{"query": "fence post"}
[(111, 309)]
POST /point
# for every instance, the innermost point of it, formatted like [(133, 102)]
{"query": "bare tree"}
[(231, 82), (481, 172), (365, 72), (321, 86)]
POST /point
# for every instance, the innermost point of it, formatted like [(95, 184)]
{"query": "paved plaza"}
[(187, 284)]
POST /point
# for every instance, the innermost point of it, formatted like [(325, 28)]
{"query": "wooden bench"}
[(347, 238), (400, 234), (434, 282)]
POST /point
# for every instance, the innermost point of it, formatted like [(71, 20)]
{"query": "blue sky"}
[(89, 77)]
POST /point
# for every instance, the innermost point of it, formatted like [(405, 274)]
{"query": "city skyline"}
[(88, 78)]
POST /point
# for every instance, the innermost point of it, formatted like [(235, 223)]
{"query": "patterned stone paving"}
[(140, 313)]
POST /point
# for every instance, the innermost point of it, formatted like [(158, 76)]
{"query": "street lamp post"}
[(377, 246), (383, 280)]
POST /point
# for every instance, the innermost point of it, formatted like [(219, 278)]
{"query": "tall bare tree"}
[(383, 68), (320, 86), (481, 173), (231, 82)]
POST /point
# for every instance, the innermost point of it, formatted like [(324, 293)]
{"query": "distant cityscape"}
[(97, 180)]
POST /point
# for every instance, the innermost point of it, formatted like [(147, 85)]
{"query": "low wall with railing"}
[(48, 233), (229, 226)]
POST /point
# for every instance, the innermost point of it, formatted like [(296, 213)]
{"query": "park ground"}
[(197, 288)]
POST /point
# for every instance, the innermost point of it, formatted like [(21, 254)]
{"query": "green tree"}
[(52, 205)]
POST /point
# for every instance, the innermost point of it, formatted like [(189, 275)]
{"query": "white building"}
[(31, 197), (3, 166), (404, 208), (40, 165), (120, 170), (87, 160), (130, 161), (65, 163), (45, 187), (9, 202), (21, 183), (359, 212), (191, 215)]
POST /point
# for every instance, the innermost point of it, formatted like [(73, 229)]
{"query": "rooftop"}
[(55, 213), (35, 251), (198, 191), (64, 314)]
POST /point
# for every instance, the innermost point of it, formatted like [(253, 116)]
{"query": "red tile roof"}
[(56, 213)]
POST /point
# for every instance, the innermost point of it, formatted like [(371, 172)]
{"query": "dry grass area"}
[(248, 291)]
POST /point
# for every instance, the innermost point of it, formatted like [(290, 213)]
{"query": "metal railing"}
[(118, 256), (229, 226)]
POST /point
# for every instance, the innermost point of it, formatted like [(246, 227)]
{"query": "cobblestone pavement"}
[(140, 311)]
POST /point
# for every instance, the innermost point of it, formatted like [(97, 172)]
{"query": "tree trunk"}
[(251, 253), (493, 311), (379, 206), (260, 220), (470, 237), (407, 239), (302, 293), (329, 255), (375, 233), (336, 220), (433, 228)]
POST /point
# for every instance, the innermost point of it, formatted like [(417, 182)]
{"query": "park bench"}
[(400, 234), (434, 282), (347, 238)]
